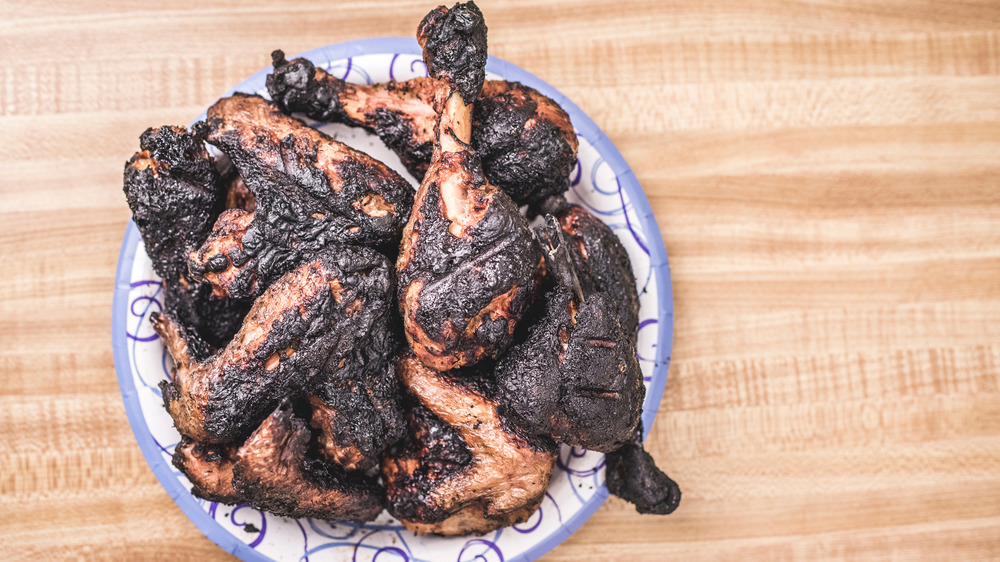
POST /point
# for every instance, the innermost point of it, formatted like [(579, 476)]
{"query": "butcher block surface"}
[(826, 176)]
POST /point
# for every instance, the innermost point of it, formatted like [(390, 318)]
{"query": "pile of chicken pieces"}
[(343, 345)]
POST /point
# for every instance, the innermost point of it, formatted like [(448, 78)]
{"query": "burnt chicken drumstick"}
[(575, 377), (525, 141), (467, 266), (601, 265), (175, 194), (303, 325), (309, 191), (465, 469)]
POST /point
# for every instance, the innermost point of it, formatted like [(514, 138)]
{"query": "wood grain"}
[(827, 179)]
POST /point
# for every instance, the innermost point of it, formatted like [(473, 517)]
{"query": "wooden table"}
[(827, 179)]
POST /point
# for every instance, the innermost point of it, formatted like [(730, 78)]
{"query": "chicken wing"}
[(175, 193), (465, 469), (310, 191), (303, 325), (273, 473)]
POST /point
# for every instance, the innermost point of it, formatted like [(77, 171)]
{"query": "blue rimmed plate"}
[(602, 182)]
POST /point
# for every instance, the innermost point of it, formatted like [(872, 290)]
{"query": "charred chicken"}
[(310, 191), (303, 325), (468, 265), (524, 139)]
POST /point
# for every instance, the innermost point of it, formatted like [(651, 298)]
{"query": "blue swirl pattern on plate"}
[(602, 182)]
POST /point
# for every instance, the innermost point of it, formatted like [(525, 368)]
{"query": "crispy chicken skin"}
[(209, 468), (467, 266), (273, 473), (175, 194), (601, 263), (576, 376), (303, 325), (356, 409), (310, 191), (465, 469), (632, 475), (525, 140)]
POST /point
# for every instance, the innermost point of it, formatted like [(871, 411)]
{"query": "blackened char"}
[(602, 263), (355, 407), (632, 475), (175, 194), (454, 43)]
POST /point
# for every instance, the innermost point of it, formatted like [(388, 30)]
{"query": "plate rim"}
[(584, 124)]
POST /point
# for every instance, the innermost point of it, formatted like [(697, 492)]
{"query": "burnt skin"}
[(356, 408), (525, 140), (303, 325), (310, 190), (454, 44), (175, 194), (273, 473), (632, 475), (467, 266), (575, 377)]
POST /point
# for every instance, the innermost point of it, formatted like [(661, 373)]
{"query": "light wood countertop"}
[(826, 176)]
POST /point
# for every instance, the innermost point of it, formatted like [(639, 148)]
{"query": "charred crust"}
[(306, 187), (454, 44), (602, 263), (299, 328), (524, 152), (297, 86), (632, 475)]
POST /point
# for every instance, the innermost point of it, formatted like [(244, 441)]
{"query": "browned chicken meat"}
[(525, 141), (576, 376), (467, 266), (209, 468), (309, 190), (273, 472), (305, 324), (175, 194), (464, 468)]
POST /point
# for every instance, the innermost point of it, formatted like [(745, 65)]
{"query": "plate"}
[(602, 182)]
